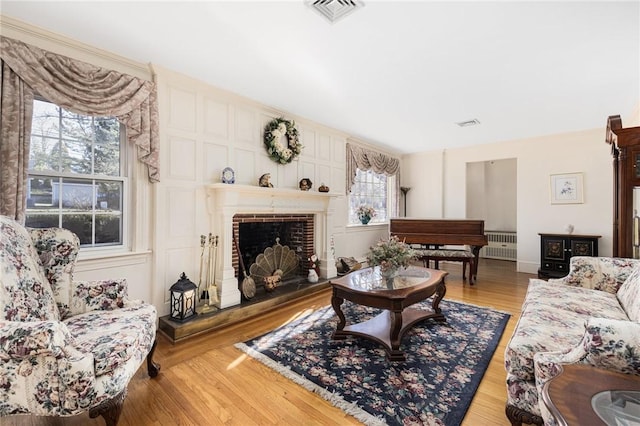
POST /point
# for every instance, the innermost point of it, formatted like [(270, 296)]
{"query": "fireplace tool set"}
[(207, 287)]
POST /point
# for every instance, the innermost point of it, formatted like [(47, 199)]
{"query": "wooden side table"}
[(568, 395)]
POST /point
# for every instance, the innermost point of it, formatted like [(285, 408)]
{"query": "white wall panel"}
[(323, 175), (308, 170), (182, 158), (246, 129), (339, 150), (308, 140), (324, 147), (216, 118), (182, 109), (216, 158), (246, 172), (181, 206)]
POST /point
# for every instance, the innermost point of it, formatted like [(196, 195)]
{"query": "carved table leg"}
[(395, 354), (110, 410), (335, 303), (152, 367), (518, 416), (441, 290)]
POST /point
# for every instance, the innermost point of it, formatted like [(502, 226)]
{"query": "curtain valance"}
[(362, 158), (87, 89)]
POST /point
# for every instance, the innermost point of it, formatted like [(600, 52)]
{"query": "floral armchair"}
[(65, 346)]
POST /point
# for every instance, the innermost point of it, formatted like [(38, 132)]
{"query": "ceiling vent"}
[(468, 123), (334, 10)]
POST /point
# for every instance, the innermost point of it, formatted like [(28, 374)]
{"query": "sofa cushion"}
[(26, 293), (629, 295), (552, 319), (114, 336)]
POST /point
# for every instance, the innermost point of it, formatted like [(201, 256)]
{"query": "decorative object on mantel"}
[(305, 184), (264, 181), (274, 131), (228, 175), (390, 255), (365, 212), (183, 299), (277, 261), (323, 188)]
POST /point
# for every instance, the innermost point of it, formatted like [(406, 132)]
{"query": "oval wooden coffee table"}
[(367, 287)]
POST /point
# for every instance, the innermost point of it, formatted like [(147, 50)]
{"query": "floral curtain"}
[(362, 158), (16, 107), (87, 89)]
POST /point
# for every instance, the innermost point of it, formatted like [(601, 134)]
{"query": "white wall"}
[(537, 158)]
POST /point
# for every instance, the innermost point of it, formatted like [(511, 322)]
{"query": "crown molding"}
[(62, 45)]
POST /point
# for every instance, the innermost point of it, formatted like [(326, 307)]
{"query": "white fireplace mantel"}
[(226, 200)]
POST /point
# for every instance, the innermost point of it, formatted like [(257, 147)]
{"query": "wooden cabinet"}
[(557, 249), (625, 149)]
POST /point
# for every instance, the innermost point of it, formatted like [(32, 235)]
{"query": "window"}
[(76, 179), (376, 190)]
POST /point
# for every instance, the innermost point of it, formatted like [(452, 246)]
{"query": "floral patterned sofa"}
[(591, 316), (65, 346)]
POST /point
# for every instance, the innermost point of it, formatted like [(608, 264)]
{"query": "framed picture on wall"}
[(567, 189)]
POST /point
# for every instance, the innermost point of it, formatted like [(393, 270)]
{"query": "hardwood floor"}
[(206, 381)]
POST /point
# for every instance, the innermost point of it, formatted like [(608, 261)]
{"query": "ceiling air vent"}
[(335, 9), (468, 123)]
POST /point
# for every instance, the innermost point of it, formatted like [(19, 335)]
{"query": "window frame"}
[(390, 204), (125, 167)]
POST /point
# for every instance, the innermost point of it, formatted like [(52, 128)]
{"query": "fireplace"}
[(256, 232), (308, 214)]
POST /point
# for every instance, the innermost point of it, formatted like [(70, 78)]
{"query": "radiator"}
[(502, 245)]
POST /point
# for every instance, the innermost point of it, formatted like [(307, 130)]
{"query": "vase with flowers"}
[(365, 213), (390, 255)]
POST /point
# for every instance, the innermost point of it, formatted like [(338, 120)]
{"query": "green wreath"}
[(273, 133)]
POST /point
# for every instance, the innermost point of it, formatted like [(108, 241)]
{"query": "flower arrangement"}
[(365, 211), (391, 254), (274, 131)]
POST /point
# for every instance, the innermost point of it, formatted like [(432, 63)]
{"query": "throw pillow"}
[(629, 295)]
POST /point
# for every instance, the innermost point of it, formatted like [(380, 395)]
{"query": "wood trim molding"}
[(62, 45)]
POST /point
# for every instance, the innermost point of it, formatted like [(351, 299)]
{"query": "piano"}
[(435, 233)]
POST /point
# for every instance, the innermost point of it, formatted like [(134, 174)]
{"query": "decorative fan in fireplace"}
[(274, 265)]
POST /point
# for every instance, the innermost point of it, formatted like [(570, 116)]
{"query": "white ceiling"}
[(394, 73)]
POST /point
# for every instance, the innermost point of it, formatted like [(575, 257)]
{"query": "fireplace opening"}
[(255, 233)]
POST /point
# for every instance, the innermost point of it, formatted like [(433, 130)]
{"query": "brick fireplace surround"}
[(229, 205)]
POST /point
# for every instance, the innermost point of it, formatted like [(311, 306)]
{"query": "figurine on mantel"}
[(323, 188), (264, 181), (305, 184)]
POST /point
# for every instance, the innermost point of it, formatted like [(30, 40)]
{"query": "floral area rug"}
[(434, 386)]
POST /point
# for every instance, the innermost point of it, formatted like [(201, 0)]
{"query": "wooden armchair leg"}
[(152, 367), (110, 410)]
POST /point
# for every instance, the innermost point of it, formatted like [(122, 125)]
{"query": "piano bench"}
[(452, 255)]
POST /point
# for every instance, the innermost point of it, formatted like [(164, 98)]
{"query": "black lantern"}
[(183, 299)]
